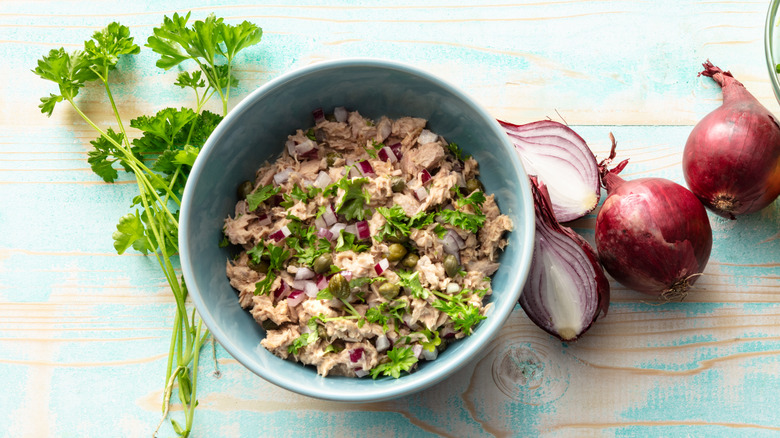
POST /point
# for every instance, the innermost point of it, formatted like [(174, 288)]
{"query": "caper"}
[(473, 184), (244, 189), (322, 263), (331, 158), (269, 325), (410, 261), (339, 287), (451, 265), (389, 290), (395, 252), (397, 185), (261, 266), (396, 238)]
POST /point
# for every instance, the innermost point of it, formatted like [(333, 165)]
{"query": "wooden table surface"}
[(84, 333)]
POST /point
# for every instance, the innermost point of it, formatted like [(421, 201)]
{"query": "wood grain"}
[(84, 332)]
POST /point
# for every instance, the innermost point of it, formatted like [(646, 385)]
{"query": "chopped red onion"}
[(337, 228), (351, 229), (330, 216), (346, 274), (282, 177), (322, 180), (363, 232), (290, 145), (325, 233), (456, 237), (447, 332), (319, 116), (425, 177), (421, 193), (417, 350), (264, 219), (361, 373), (340, 113), (282, 291), (313, 154), (365, 167), (304, 273), (322, 282), (354, 172), (320, 223), (430, 355), (280, 234), (304, 147), (355, 354), (453, 288), (295, 297), (450, 246), (427, 136), (396, 148), (387, 154), (382, 343), (381, 267), (310, 289)]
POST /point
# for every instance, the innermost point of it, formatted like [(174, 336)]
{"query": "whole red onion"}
[(652, 235), (731, 160)]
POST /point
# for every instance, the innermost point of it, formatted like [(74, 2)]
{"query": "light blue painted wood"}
[(84, 333)]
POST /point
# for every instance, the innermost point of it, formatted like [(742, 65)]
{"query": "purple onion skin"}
[(652, 235), (731, 160), (529, 301)]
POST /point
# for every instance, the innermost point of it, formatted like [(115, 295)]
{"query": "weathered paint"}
[(84, 333)]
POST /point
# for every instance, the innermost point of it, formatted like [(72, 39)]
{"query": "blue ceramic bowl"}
[(257, 129)]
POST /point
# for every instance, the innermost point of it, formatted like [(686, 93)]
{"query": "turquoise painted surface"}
[(84, 333)]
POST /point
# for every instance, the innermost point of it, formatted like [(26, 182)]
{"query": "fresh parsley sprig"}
[(401, 359), (463, 314)]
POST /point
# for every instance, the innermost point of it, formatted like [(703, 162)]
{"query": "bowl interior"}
[(256, 130)]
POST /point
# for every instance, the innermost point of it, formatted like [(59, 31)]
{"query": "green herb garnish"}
[(401, 359)]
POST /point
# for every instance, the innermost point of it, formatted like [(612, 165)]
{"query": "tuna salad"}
[(366, 247)]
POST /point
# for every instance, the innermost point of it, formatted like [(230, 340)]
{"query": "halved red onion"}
[(325, 233), (396, 148), (421, 193), (304, 273), (365, 167), (562, 160), (566, 288), (363, 232), (387, 154), (319, 116), (295, 297), (382, 343), (330, 216), (340, 113), (322, 180), (381, 267), (355, 354), (264, 219), (280, 234), (282, 177), (310, 289), (425, 177), (427, 136)]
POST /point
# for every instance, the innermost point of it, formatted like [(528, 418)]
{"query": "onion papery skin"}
[(562, 160), (731, 160), (652, 235), (565, 306)]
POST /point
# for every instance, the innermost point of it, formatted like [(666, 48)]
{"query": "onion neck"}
[(611, 181)]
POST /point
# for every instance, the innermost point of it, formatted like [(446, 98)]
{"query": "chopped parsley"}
[(463, 314), (253, 200), (307, 245), (465, 221), (401, 359), (458, 152), (305, 338), (349, 242), (396, 223), (475, 199), (353, 204), (374, 148), (277, 255), (411, 282)]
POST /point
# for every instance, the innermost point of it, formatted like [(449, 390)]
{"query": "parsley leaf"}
[(253, 200), (105, 154), (421, 219), (348, 242), (401, 359), (411, 282), (475, 199), (352, 205), (277, 255), (396, 224), (305, 338), (129, 232), (464, 221), (432, 339), (374, 148), (463, 314), (458, 152)]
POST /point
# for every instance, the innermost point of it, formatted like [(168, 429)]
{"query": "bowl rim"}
[(771, 64), (409, 383)]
